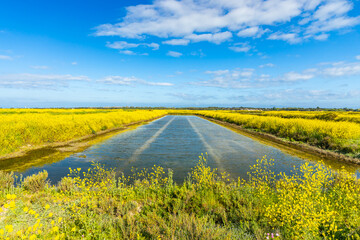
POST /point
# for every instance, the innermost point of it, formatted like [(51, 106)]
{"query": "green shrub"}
[(36, 182), (330, 116), (67, 184), (6, 180)]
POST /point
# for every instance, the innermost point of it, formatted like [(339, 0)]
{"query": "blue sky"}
[(282, 53)]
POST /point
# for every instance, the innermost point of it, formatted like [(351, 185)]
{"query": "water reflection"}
[(174, 142)]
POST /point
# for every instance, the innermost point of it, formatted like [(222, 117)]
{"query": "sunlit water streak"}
[(174, 142)]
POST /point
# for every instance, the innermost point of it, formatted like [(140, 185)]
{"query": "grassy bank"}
[(29, 128), (313, 203), (342, 137), (337, 116)]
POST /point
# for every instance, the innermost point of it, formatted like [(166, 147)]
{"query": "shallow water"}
[(174, 142)]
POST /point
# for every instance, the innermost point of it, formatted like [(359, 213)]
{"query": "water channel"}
[(173, 142)]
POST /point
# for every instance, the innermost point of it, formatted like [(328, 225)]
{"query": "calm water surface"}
[(174, 142)]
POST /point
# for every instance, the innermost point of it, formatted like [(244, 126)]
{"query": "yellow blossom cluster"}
[(19, 127)]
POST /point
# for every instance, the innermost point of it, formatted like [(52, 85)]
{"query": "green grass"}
[(314, 203)]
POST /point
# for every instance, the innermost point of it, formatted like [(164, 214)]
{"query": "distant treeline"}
[(214, 108)]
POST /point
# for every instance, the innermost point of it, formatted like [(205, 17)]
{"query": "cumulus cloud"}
[(130, 81), (255, 32), (28, 80), (216, 38), (330, 16), (182, 42), (174, 54), (154, 46), (288, 37), (217, 20), (121, 45)]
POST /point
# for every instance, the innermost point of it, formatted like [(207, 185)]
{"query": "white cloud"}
[(28, 80), (336, 69), (159, 84), (198, 53), (40, 67), (216, 38), (119, 80), (154, 46), (121, 45), (128, 81), (240, 47), (345, 69), (74, 63), (238, 78), (307, 95), (358, 57), (331, 9), (322, 37), (125, 46), (249, 78), (127, 52), (252, 32), (182, 42), (330, 16), (293, 76), (267, 65), (5, 57), (202, 20), (297, 97), (30, 77), (288, 37), (218, 72), (332, 24), (174, 54)]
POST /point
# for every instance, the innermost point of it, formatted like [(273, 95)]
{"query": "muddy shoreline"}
[(296, 145), (68, 146)]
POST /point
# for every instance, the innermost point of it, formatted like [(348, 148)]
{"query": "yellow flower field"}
[(340, 136), (348, 116), (313, 203), (19, 127), (337, 131)]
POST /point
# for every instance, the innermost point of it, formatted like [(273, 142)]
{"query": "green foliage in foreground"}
[(314, 203)]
